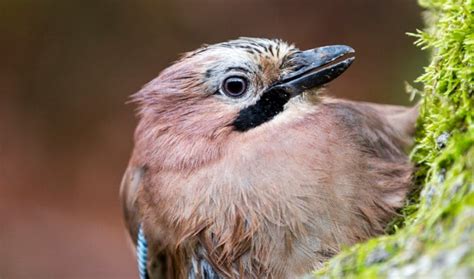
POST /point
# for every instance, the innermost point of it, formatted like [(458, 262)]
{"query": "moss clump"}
[(435, 238)]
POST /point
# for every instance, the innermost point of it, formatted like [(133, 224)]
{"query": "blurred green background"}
[(67, 69)]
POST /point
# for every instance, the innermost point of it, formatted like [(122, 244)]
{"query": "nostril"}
[(298, 67)]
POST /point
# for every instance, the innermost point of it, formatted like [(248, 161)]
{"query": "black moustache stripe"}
[(270, 104)]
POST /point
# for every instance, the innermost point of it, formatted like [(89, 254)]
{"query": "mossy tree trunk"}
[(435, 238)]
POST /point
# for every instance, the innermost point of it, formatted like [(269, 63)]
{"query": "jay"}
[(243, 168)]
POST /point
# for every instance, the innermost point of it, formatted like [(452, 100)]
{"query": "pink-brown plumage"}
[(273, 201)]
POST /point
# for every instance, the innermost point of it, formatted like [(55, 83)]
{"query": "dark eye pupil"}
[(235, 86)]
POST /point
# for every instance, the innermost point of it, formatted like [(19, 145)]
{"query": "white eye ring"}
[(234, 86)]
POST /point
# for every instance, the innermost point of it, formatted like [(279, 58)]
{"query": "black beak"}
[(314, 68)]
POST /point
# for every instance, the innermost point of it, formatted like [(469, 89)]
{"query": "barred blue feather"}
[(142, 254)]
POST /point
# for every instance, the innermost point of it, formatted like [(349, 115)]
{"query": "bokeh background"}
[(67, 69)]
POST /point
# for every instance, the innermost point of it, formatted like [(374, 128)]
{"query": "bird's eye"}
[(234, 86)]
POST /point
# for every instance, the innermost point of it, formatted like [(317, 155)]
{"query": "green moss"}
[(435, 236)]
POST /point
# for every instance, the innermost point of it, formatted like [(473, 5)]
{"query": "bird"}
[(244, 167)]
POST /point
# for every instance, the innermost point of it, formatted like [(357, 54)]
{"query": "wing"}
[(401, 119), (131, 182)]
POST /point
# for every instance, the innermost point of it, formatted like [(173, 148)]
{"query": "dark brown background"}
[(67, 68)]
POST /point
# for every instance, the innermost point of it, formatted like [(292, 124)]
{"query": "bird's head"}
[(234, 87)]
